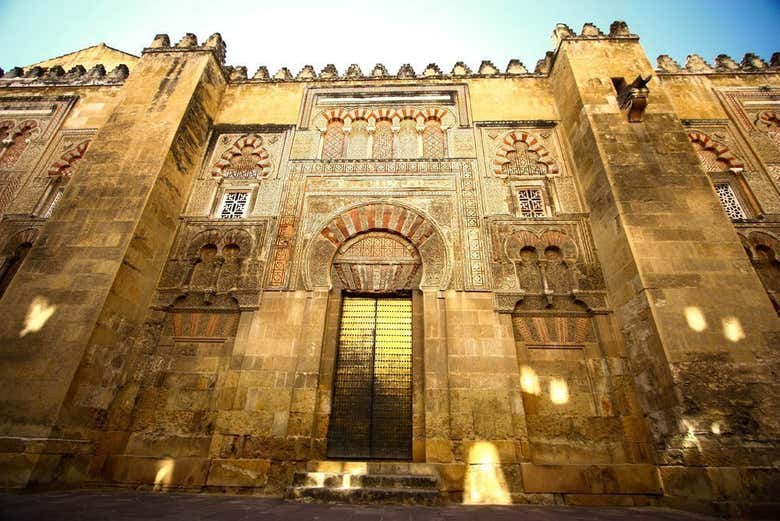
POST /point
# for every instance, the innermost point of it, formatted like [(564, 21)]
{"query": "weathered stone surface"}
[(585, 326)]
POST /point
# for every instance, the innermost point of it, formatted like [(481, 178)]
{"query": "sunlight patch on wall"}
[(529, 381), (484, 483), (559, 391), (732, 329), (164, 474), (695, 318), (690, 439), (38, 313)]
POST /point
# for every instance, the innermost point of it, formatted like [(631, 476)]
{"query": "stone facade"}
[(590, 254)]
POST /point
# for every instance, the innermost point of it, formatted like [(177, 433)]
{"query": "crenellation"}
[(724, 63), (307, 73), (14, 72), (544, 65), (753, 62), (160, 41), (460, 69), (665, 63), (216, 42), (431, 71), (516, 67), (329, 72), (486, 68), (353, 71), (695, 63), (96, 72), (56, 75), (406, 71), (379, 71), (619, 29), (282, 74), (590, 30), (188, 41), (237, 73), (261, 73)]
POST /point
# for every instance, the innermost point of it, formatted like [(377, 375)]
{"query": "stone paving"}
[(121, 505)]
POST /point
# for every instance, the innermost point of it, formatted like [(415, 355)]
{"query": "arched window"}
[(721, 165), (357, 146), (205, 269), (433, 139), (383, 140), (333, 144), (10, 265), (407, 139)]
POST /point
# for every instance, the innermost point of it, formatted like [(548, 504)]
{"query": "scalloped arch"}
[(67, 161), (534, 145), (722, 153)]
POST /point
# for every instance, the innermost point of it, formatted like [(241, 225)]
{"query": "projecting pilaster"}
[(77, 303), (697, 322)]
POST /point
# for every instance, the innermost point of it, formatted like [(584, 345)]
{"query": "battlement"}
[(78, 75), (695, 64), (618, 30)]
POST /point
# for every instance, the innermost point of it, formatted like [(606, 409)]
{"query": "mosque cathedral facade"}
[(556, 285)]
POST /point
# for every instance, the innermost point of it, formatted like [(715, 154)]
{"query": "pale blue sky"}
[(294, 33)]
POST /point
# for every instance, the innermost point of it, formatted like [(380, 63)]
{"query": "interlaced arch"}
[(247, 158), (714, 156), (521, 154)]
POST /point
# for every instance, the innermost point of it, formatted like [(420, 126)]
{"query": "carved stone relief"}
[(544, 261), (27, 126), (719, 150), (393, 218), (212, 258), (752, 110)]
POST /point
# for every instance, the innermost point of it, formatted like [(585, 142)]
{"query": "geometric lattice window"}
[(383, 140), (234, 205), (729, 201), (333, 146), (530, 202), (433, 139)]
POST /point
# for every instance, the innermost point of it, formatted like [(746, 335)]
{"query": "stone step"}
[(345, 480), (371, 467), (409, 496)]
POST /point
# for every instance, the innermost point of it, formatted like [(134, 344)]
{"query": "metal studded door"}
[(371, 413)]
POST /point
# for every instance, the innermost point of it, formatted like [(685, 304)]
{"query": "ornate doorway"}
[(371, 414)]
